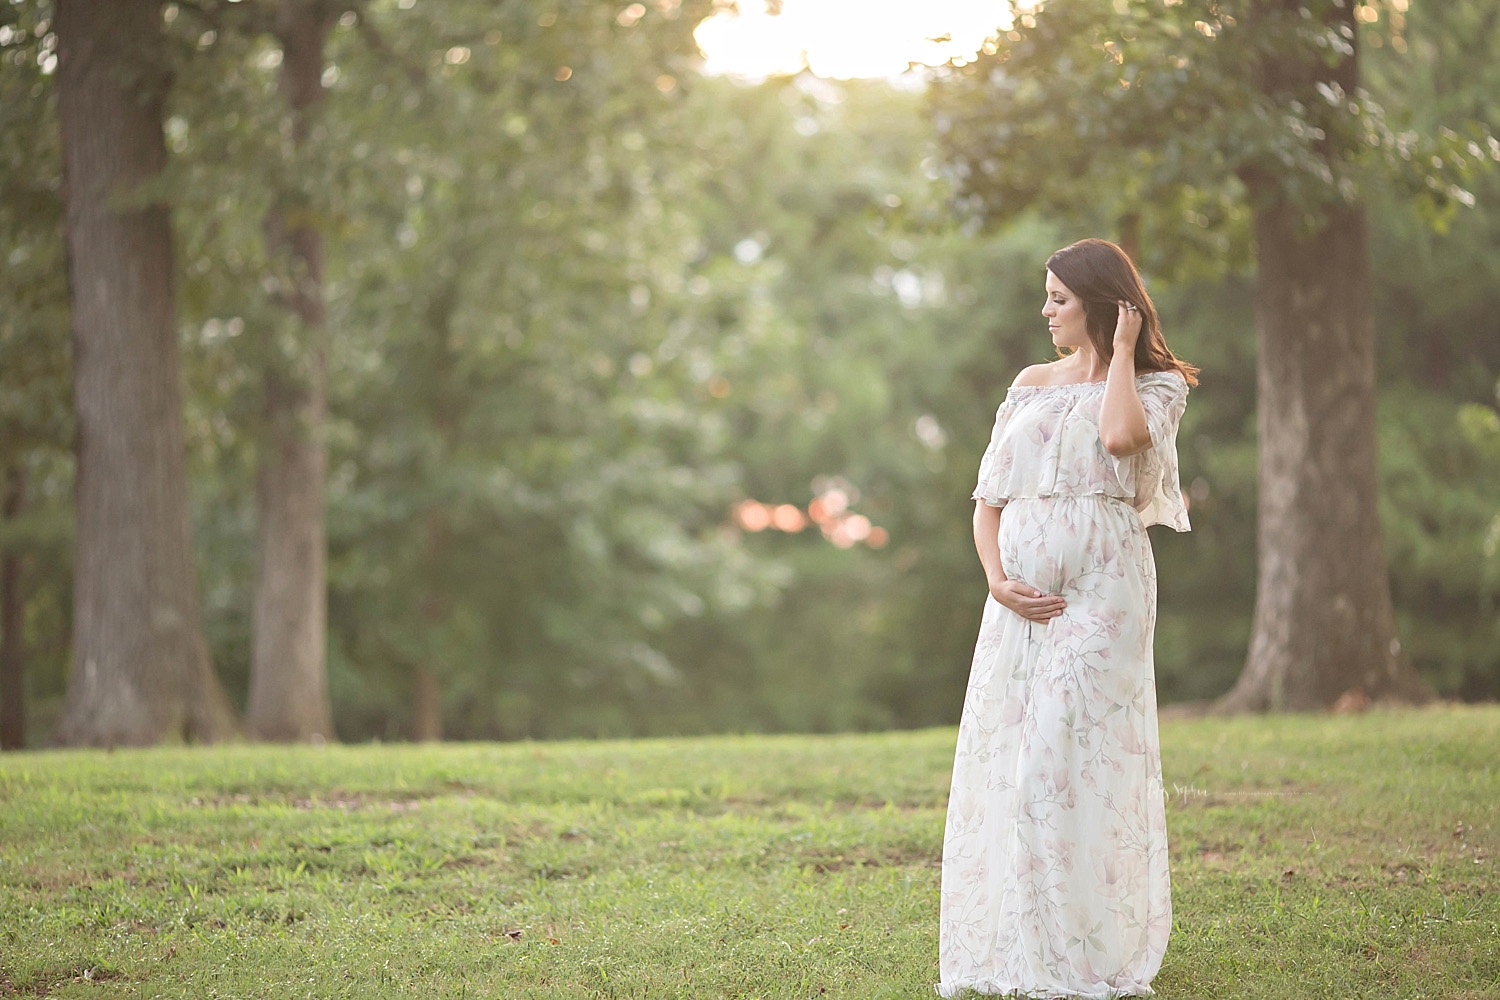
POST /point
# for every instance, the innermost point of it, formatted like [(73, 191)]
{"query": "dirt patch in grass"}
[(1223, 854), (895, 857), (342, 801), (42, 982)]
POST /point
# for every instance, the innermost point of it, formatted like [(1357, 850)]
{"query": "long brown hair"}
[(1102, 276)]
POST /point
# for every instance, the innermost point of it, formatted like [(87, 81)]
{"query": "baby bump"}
[(1071, 545)]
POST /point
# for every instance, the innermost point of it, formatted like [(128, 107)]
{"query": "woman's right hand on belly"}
[(1026, 601)]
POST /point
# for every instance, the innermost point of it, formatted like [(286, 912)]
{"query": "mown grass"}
[(1349, 856)]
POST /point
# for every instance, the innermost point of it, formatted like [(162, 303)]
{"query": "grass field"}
[(1350, 856)]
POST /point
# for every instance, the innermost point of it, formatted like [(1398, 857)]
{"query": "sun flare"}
[(846, 38)]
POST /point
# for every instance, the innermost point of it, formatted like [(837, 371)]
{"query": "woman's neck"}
[(1087, 366)]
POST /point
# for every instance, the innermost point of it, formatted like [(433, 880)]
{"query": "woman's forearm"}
[(987, 540), (1122, 419)]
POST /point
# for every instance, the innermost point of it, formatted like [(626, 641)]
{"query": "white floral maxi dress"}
[(1055, 877)]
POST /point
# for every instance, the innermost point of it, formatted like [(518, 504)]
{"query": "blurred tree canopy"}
[(600, 328)]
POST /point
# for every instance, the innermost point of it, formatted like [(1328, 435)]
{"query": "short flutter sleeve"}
[(991, 475), (1152, 476)]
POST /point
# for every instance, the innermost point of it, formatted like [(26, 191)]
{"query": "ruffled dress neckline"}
[(1023, 391)]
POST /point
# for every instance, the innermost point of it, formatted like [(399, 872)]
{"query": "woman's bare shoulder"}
[(1042, 374)]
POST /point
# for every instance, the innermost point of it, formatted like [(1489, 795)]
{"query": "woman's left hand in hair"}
[(1127, 328)]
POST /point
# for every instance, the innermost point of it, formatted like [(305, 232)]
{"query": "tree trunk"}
[(288, 671), (12, 606), (140, 670), (1323, 620), (436, 605)]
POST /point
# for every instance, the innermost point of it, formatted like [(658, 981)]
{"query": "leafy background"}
[(585, 303)]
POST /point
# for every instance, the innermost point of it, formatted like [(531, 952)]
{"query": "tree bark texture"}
[(288, 670), (12, 619), (1323, 619), (140, 670)]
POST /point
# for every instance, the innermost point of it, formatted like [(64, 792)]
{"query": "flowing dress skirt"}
[(1055, 878)]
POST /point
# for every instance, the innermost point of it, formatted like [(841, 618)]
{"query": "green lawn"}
[(1314, 857)]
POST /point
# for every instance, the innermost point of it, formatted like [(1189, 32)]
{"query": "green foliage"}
[(583, 302), (861, 334), (1439, 359), (488, 290), (549, 474), (1207, 577), (1162, 122), (1354, 852), (36, 394), (35, 397), (1441, 478)]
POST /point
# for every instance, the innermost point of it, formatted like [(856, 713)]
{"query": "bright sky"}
[(846, 38)]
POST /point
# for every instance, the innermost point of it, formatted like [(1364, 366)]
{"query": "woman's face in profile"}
[(1065, 315)]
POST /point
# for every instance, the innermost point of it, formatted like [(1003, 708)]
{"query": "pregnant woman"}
[(1055, 877)]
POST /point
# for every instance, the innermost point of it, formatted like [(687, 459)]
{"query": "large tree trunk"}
[(288, 673), (1323, 620), (12, 608), (140, 670)]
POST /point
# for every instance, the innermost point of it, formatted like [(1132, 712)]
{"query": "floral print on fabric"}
[(1054, 878), (1046, 443)]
